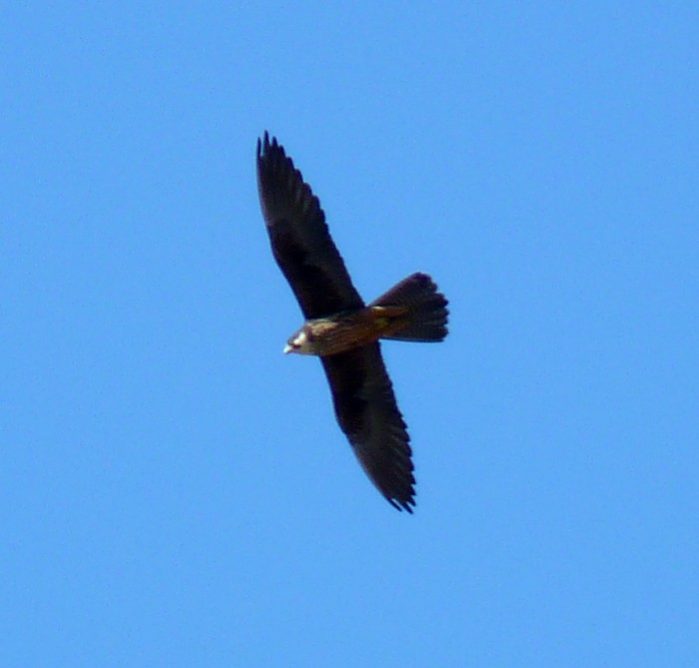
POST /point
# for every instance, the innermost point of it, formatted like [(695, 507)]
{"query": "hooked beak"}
[(287, 349)]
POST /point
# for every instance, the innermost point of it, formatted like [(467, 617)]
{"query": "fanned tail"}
[(422, 307)]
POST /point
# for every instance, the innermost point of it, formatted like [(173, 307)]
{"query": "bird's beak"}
[(287, 349)]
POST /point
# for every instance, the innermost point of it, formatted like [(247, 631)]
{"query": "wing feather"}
[(301, 242), (366, 409)]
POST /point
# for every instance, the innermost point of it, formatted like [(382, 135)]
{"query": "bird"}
[(341, 329)]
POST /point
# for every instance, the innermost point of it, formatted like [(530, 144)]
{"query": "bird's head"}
[(299, 343)]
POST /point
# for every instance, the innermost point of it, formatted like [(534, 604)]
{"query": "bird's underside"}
[(347, 330), (341, 329)]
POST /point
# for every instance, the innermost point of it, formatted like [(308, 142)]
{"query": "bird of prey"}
[(341, 329)]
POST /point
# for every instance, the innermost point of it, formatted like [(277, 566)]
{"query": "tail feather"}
[(423, 308)]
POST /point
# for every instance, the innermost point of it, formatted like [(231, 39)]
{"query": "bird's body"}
[(341, 329), (347, 330)]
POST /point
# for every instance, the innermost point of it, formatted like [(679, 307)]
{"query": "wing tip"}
[(402, 496), (403, 504), (265, 145)]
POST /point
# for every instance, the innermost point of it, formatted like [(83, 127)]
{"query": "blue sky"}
[(175, 491)]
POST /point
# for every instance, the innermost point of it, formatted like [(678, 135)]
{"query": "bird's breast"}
[(337, 333)]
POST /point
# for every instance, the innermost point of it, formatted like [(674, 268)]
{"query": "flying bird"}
[(344, 331)]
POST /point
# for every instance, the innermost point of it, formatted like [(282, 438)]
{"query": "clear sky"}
[(175, 492)]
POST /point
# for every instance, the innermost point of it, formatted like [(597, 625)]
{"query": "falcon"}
[(344, 331)]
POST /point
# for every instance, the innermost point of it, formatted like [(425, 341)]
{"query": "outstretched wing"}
[(366, 409), (300, 240)]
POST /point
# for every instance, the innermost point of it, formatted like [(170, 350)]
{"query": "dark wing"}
[(366, 409), (300, 239)]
